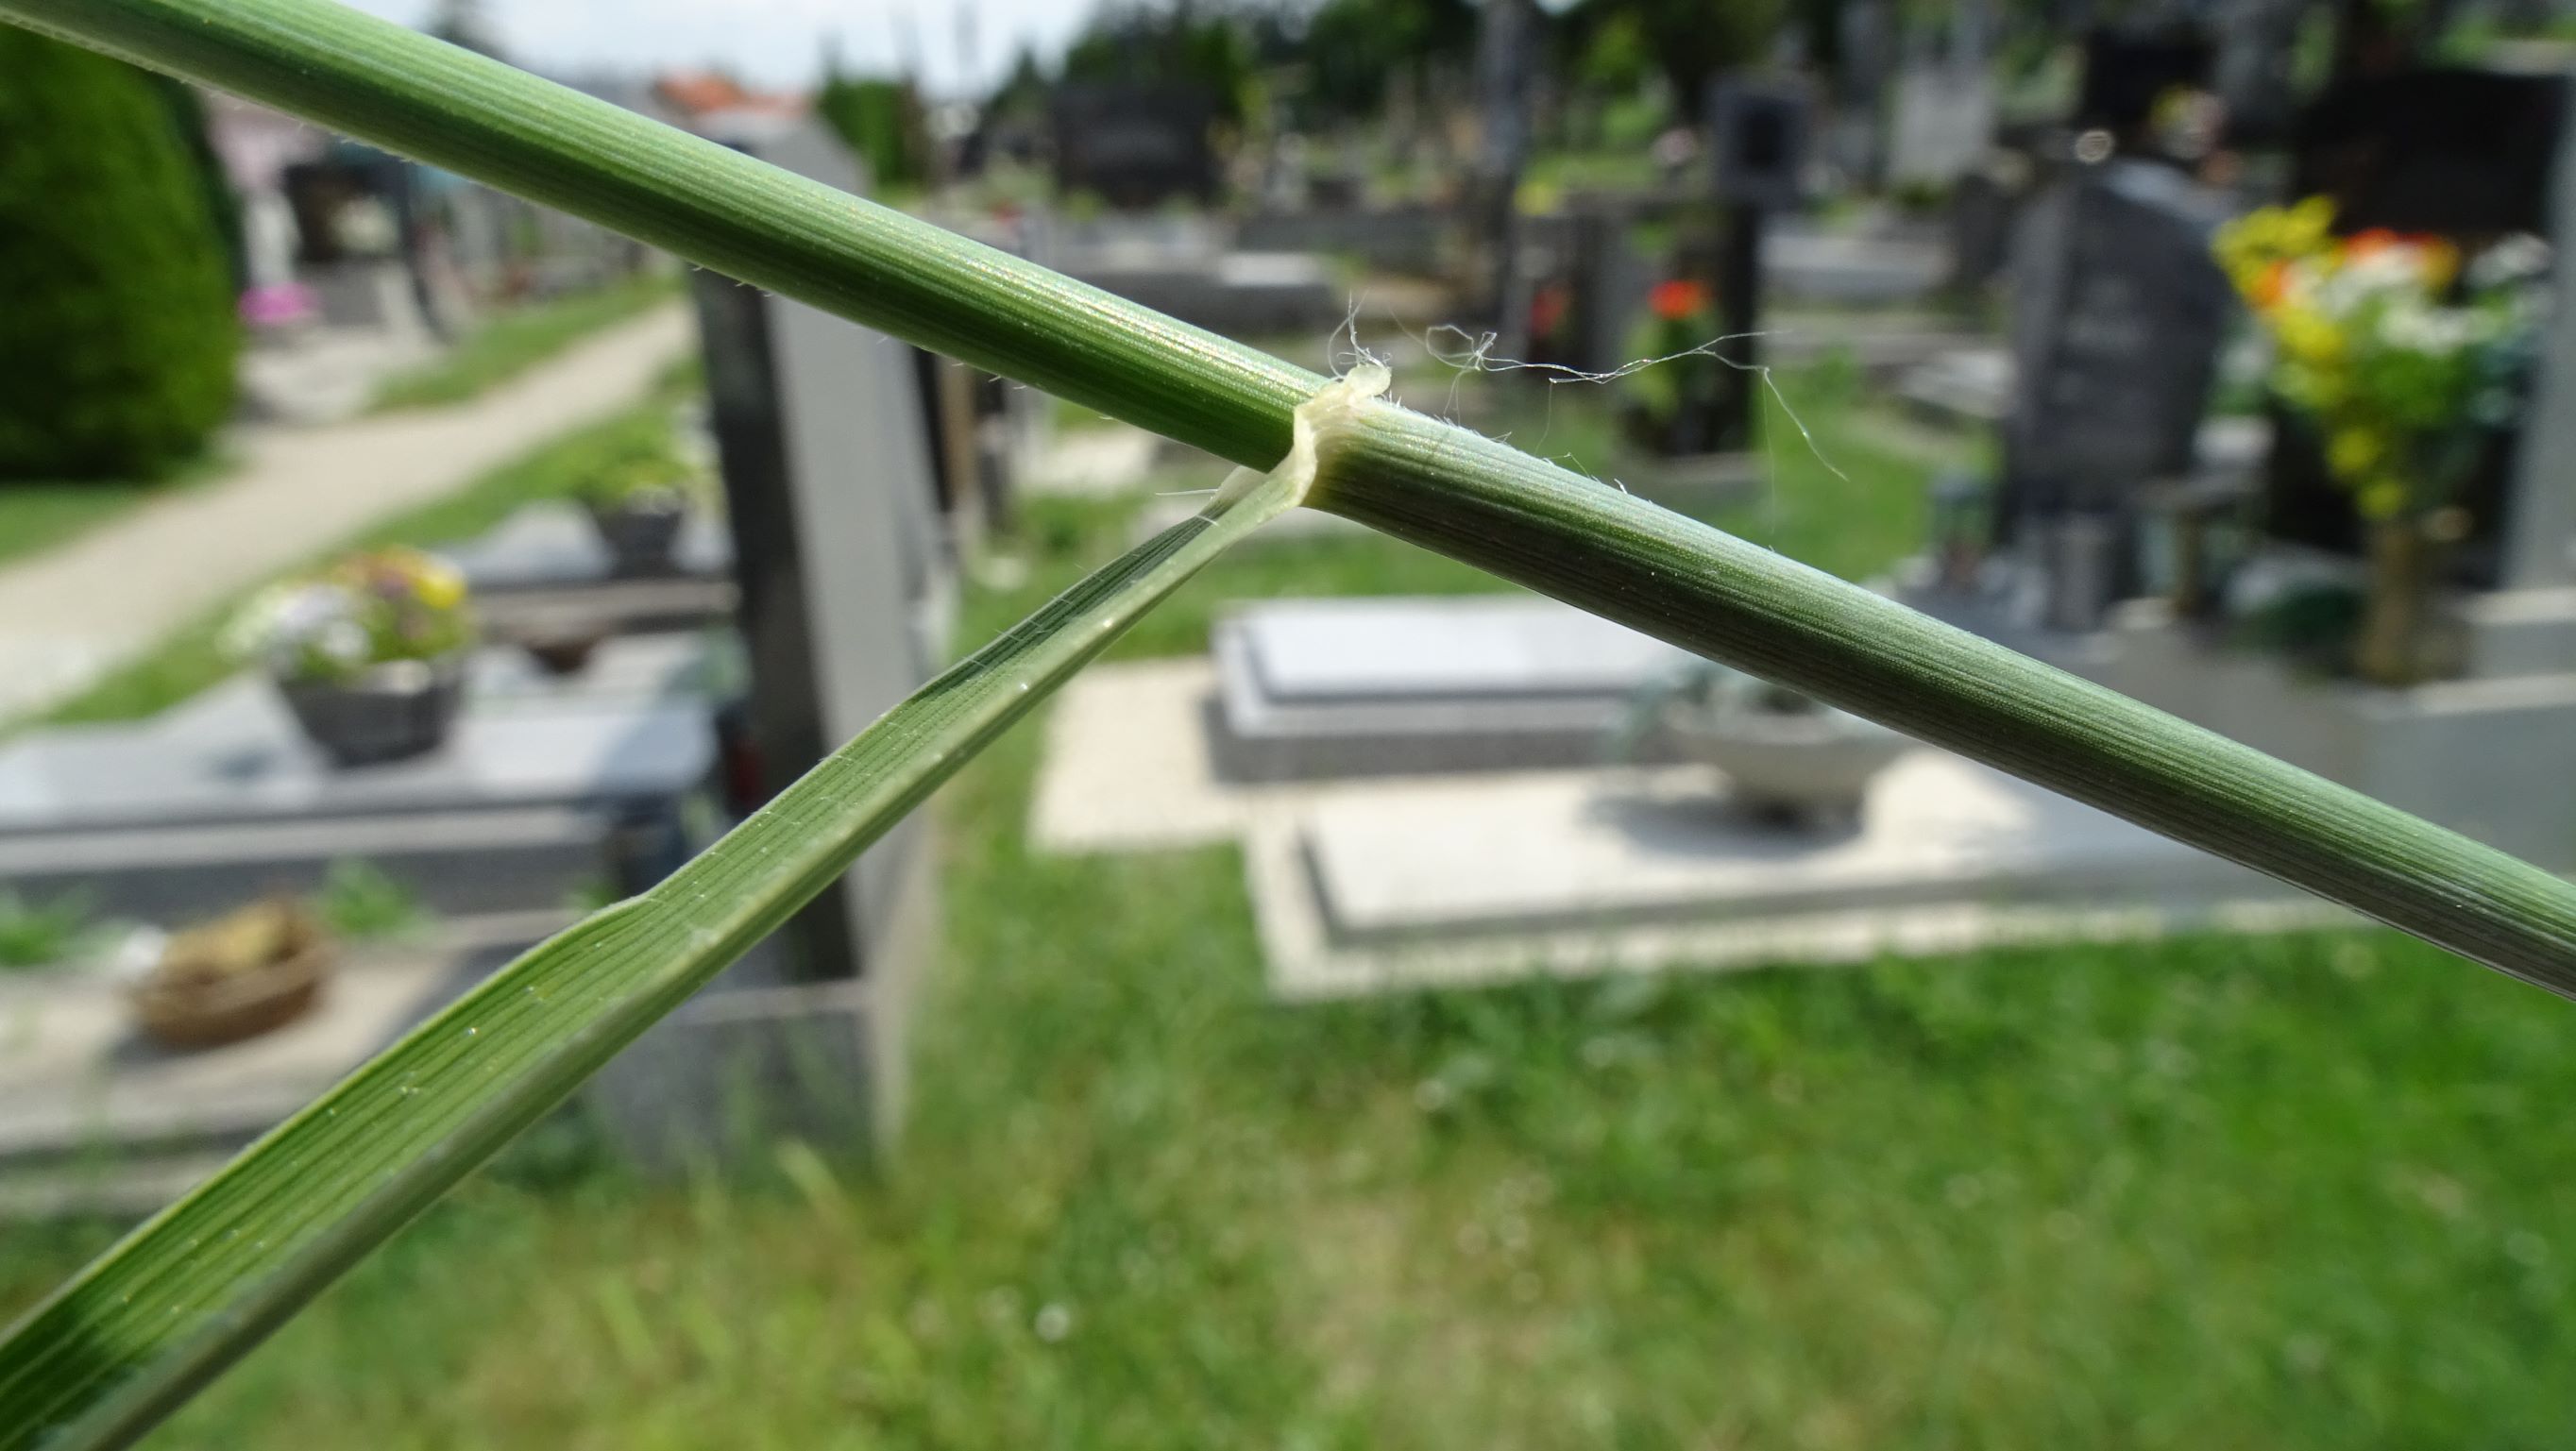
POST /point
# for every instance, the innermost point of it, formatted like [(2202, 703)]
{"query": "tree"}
[(1690, 41), (1358, 48), (881, 120), (117, 333), (1181, 44)]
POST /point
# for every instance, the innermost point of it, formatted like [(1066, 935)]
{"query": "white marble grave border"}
[(1128, 767)]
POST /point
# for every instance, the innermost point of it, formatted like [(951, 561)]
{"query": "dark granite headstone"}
[(2118, 315), (1134, 146)]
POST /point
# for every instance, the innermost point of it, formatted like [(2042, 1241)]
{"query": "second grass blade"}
[(180, 1298)]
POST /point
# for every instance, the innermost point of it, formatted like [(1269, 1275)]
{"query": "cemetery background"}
[(2211, 1181)]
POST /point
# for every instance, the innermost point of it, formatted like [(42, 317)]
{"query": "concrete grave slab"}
[(1389, 883), (80, 1077), (1448, 882), (549, 545), (549, 787), (1322, 688)]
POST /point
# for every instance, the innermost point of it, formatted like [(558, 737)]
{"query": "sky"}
[(772, 42)]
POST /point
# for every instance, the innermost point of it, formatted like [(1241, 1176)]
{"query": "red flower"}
[(1548, 307), (1678, 299)]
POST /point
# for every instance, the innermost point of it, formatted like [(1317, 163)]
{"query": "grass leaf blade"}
[(158, 1315)]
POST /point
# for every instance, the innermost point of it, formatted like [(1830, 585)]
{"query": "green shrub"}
[(117, 334)]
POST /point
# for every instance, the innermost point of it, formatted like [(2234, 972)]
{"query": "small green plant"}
[(41, 934), (359, 903), (647, 471)]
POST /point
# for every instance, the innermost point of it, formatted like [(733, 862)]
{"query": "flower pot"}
[(184, 1006), (389, 712), (1784, 757), (2406, 637), (642, 534)]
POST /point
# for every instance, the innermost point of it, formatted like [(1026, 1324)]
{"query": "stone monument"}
[(845, 593), (2118, 312)]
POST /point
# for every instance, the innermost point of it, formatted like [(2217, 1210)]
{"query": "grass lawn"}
[(38, 514), (35, 517), (512, 342), (2282, 1192)]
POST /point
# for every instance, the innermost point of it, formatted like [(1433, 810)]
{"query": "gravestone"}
[(1182, 265), (1309, 689), (1942, 121), (1758, 138), (845, 597), (1588, 283), (2539, 516), (2118, 312), (1134, 146), (96, 1120)]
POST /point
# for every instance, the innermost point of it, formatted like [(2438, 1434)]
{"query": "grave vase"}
[(2405, 637)]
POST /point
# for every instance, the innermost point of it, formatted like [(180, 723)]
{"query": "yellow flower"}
[(2305, 225), (2381, 498), (2255, 249), (435, 583), (2441, 263), (2307, 335), (439, 584), (2354, 451)]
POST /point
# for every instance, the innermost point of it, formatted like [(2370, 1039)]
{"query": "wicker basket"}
[(195, 1010)]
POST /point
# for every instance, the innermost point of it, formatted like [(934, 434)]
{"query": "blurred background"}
[(1374, 1006)]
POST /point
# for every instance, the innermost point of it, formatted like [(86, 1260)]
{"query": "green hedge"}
[(117, 329)]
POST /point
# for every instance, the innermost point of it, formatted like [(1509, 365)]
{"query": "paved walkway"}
[(72, 614)]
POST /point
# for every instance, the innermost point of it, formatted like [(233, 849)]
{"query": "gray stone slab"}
[(1230, 292), (1317, 688), (454, 862), (253, 767), (2492, 756), (549, 616), (1934, 828), (549, 545), (1422, 884), (550, 787), (1328, 651), (80, 1077), (1815, 266), (2521, 632), (95, 1119)]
